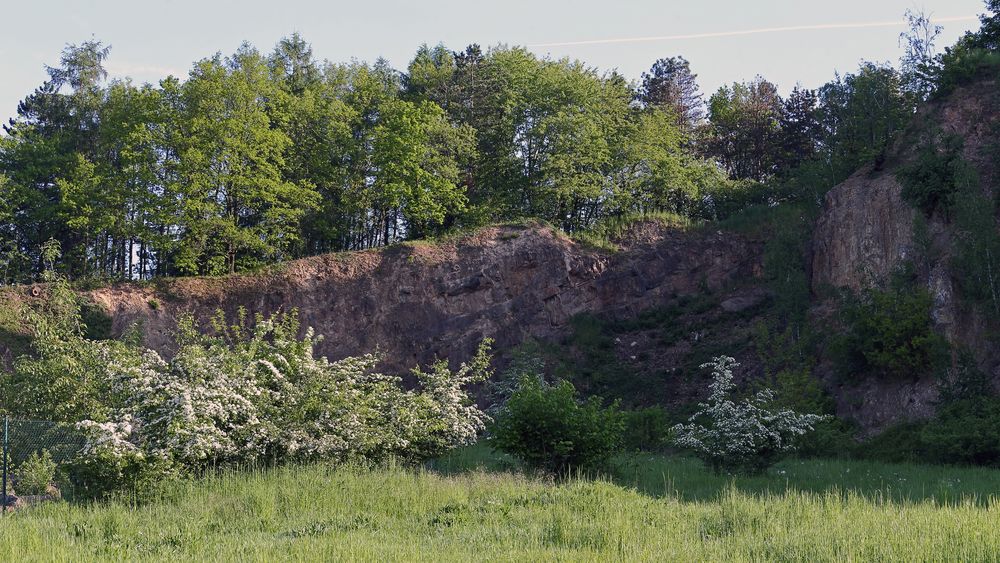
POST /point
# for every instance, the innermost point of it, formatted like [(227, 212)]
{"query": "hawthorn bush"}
[(249, 393), (740, 436)]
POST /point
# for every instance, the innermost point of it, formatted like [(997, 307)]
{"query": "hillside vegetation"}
[(259, 157), (500, 306)]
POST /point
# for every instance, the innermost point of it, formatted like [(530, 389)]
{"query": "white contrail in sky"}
[(749, 32)]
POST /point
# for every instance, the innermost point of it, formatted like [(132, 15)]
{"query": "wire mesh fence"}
[(32, 450)]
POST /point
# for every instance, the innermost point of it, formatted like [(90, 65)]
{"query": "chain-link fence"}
[(31, 454)]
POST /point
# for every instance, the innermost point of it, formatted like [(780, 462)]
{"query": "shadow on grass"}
[(687, 479)]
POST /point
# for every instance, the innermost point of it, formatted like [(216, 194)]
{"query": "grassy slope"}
[(316, 513)]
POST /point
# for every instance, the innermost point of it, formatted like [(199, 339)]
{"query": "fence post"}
[(3, 492)]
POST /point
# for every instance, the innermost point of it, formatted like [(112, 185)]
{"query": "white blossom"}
[(742, 435), (268, 397)]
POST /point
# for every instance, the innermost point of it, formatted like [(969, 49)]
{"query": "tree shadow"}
[(688, 480)]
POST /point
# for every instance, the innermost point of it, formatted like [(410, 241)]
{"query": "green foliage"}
[(963, 64), (548, 428), (254, 159), (61, 380), (785, 263), (604, 234), (96, 321), (966, 427), (801, 391), (890, 333), (648, 429), (106, 475), (35, 474), (862, 113), (788, 356), (989, 33), (964, 430), (786, 229), (977, 260), (931, 181), (899, 443), (670, 85), (250, 392), (975, 56), (238, 208), (744, 122)]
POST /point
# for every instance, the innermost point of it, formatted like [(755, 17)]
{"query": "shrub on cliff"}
[(931, 181), (889, 332)]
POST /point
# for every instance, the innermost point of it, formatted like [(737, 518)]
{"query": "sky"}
[(724, 40)]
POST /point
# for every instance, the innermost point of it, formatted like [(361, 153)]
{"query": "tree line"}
[(257, 158)]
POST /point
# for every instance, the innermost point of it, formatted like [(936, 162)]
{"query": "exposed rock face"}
[(866, 229), (866, 232), (415, 302)]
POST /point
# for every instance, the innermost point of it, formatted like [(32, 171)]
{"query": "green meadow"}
[(473, 505)]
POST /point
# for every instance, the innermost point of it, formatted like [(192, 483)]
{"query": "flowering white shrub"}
[(740, 436), (111, 438), (459, 420), (251, 392), (261, 394)]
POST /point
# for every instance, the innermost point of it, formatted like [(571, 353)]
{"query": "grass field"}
[(467, 507)]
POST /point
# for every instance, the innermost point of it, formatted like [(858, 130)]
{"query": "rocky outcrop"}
[(415, 302), (866, 232), (866, 229)]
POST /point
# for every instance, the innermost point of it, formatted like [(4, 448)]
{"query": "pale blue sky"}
[(151, 39)]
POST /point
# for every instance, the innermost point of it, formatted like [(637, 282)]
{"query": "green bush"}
[(964, 432), (964, 62), (800, 390), (930, 183), (788, 354), (889, 332), (647, 429), (96, 321), (900, 443), (35, 474), (104, 474), (548, 428)]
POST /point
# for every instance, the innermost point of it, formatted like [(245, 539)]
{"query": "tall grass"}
[(391, 513)]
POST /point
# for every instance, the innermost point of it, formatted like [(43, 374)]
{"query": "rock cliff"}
[(866, 232), (415, 302)]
